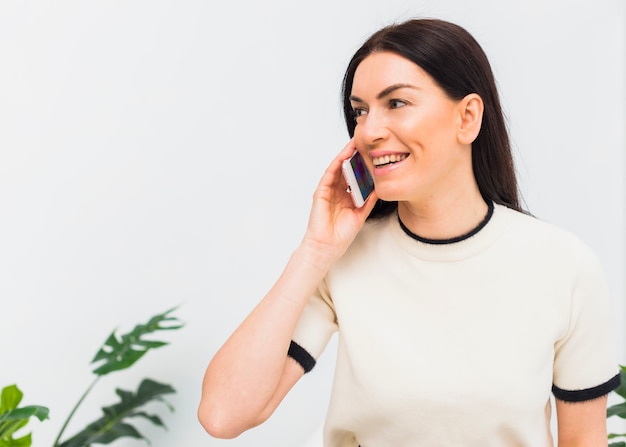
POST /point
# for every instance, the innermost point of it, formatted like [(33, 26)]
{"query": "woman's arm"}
[(582, 424), (251, 373)]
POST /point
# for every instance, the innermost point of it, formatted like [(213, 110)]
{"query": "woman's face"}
[(407, 129)]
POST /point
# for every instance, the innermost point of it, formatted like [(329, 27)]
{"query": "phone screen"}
[(363, 177)]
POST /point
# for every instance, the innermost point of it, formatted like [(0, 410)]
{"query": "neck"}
[(444, 217)]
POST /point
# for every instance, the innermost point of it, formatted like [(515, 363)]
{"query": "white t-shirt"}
[(460, 343)]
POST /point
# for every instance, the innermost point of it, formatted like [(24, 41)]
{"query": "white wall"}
[(145, 150)]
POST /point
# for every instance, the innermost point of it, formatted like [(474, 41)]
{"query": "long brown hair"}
[(457, 63)]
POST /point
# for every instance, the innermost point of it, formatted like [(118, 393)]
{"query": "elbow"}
[(220, 424), (215, 424)]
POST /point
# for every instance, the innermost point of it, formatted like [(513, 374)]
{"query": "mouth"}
[(386, 160)]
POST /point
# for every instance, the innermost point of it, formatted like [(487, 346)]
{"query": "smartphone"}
[(358, 178)]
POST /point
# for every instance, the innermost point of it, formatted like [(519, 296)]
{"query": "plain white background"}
[(161, 153)]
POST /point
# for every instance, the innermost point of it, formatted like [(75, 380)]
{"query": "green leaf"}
[(618, 410), (7, 428), (7, 419), (13, 418), (112, 426), (618, 444), (39, 412), (615, 435), (10, 398), (621, 390), (151, 417), (121, 353), (11, 421), (24, 441)]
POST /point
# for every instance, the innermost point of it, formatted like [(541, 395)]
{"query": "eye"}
[(358, 111), (396, 103)]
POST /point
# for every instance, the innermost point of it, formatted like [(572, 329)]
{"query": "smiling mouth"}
[(388, 159)]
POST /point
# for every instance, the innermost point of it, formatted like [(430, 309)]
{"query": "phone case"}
[(358, 178)]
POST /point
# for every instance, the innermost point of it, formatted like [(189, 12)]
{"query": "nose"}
[(372, 128)]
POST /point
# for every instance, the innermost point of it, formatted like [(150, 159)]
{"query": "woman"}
[(458, 314)]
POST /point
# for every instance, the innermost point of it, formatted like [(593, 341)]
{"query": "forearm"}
[(244, 375)]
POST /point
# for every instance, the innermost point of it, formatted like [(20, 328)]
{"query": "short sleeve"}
[(585, 365), (316, 326)]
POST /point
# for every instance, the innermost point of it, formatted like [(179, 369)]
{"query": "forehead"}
[(382, 69)]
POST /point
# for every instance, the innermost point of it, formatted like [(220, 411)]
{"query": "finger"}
[(331, 176), (367, 208), (347, 150)]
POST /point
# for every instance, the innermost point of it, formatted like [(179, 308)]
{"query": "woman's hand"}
[(334, 220)]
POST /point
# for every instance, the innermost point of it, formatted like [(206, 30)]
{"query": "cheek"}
[(359, 142), (421, 135), (437, 132), (419, 127)]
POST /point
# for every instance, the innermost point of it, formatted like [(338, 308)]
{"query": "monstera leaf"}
[(619, 410), (13, 418), (114, 425), (114, 355), (622, 388), (121, 353)]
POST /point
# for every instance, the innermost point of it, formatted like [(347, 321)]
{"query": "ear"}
[(471, 113)]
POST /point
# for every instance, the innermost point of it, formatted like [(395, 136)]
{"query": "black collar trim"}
[(453, 240)]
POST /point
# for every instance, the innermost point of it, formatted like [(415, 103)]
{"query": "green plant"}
[(118, 353), (619, 409), (13, 418)]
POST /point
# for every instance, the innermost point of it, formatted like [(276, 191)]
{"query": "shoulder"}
[(545, 236)]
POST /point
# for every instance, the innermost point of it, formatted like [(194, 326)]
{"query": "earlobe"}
[(471, 109)]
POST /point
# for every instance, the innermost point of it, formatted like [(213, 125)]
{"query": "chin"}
[(389, 194)]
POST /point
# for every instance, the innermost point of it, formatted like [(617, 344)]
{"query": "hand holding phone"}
[(358, 178)]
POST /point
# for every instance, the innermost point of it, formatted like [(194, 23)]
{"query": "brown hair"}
[(457, 63)]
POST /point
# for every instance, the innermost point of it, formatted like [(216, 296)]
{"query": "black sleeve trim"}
[(589, 393), (300, 355)]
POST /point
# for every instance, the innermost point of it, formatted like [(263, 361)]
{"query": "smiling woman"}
[(417, 138), (441, 267), (451, 71)]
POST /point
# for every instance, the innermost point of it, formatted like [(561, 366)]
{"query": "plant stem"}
[(80, 401)]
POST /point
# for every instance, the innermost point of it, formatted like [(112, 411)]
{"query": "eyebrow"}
[(387, 91)]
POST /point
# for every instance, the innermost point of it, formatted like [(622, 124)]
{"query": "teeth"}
[(387, 159)]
